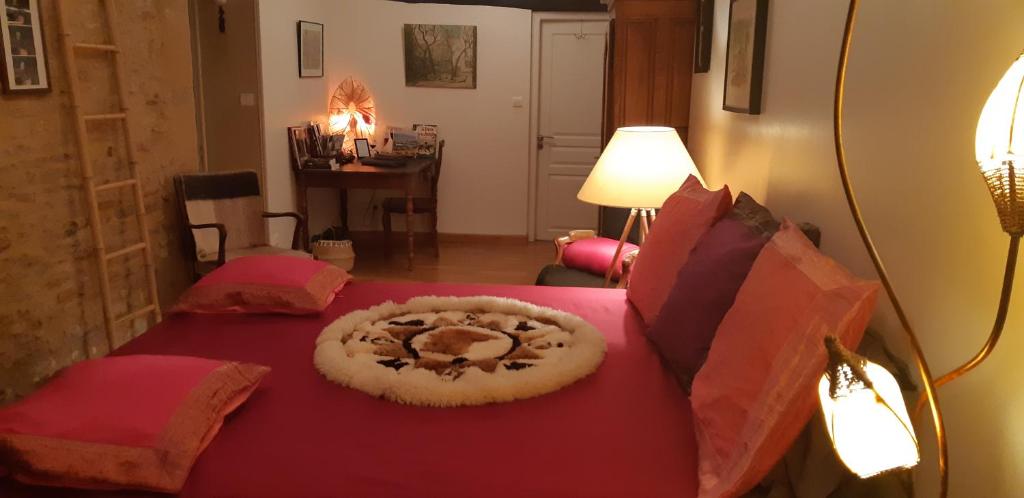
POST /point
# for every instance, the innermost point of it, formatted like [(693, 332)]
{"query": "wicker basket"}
[(336, 252)]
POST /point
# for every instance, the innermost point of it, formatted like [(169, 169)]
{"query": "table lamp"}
[(640, 167), (998, 142)]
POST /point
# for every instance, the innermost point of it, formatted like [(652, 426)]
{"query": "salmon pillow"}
[(758, 387), (265, 284), (122, 422), (682, 221)]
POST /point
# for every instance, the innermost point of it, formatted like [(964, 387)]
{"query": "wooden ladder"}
[(104, 256)]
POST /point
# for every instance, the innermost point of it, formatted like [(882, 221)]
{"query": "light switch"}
[(247, 99), (517, 102)]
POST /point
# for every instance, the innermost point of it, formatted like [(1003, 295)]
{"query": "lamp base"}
[(647, 217)]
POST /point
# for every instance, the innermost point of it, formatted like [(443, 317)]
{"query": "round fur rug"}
[(453, 351)]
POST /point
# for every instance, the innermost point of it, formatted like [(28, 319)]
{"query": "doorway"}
[(570, 52), (226, 75)]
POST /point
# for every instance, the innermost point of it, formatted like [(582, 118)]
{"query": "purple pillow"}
[(704, 290), (594, 255)]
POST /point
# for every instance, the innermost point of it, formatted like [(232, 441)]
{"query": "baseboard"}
[(443, 237)]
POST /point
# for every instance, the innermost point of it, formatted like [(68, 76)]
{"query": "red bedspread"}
[(625, 431)]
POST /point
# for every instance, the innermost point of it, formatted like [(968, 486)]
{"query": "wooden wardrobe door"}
[(652, 62)]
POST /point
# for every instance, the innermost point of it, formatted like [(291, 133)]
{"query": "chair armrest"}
[(565, 240), (627, 267), (298, 239), (222, 234)]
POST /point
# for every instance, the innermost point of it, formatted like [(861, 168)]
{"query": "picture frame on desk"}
[(362, 146), (298, 145)]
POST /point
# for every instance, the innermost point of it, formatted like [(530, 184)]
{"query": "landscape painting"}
[(440, 55)]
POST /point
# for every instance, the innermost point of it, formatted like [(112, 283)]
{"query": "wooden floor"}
[(464, 259)]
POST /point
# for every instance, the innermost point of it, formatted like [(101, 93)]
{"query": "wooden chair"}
[(223, 218), (420, 205)]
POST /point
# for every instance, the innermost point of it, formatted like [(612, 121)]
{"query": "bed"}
[(626, 430)]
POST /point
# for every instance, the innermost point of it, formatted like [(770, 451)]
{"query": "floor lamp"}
[(640, 167), (851, 385)]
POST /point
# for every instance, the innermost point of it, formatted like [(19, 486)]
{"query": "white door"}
[(572, 66)]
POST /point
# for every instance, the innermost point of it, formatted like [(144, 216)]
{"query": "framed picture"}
[(24, 67), (311, 49), (298, 145), (744, 58), (705, 28), (362, 148), (440, 55)]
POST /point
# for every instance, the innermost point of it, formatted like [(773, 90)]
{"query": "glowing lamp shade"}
[(865, 415), (352, 112), (999, 147), (640, 168)]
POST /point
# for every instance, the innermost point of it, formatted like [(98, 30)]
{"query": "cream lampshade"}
[(865, 414), (640, 168), (999, 143)]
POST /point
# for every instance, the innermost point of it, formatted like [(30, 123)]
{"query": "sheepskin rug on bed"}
[(454, 351)]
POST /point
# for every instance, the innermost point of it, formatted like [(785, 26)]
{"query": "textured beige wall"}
[(920, 72), (50, 312)]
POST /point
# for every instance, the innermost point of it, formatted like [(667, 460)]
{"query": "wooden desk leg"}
[(303, 205), (343, 201), (408, 225)]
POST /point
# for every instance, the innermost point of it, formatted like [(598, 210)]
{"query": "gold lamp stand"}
[(1000, 176)]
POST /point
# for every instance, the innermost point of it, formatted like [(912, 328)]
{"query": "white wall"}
[(287, 99), (920, 72), (483, 186)]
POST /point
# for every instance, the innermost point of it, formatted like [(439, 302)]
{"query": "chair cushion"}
[(560, 276), (758, 387), (265, 284), (594, 255), (683, 219), (397, 204), (232, 199), (262, 250), (122, 422)]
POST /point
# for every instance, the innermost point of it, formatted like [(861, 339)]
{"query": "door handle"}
[(540, 140)]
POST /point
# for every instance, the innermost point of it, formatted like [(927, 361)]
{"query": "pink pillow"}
[(122, 422), (265, 284), (683, 219), (595, 255), (757, 389)]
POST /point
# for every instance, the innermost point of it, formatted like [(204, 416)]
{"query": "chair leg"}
[(437, 237)]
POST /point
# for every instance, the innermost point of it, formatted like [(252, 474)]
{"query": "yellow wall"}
[(920, 72)]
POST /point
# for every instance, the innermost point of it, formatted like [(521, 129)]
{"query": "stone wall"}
[(50, 304)]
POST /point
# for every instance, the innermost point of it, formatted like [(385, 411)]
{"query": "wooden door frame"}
[(539, 18)]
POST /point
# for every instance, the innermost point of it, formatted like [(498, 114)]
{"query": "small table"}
[(407, 179)]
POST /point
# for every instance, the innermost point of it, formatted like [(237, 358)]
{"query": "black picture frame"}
[(743, 79), (705, 30), (362, 146), (306, 53), (21, 30)]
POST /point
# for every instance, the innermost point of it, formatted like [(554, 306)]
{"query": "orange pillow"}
[(122, 422), (758, 388), (265, 284), (682, 220)]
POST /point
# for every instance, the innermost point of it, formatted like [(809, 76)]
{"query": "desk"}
[(408, 179)]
